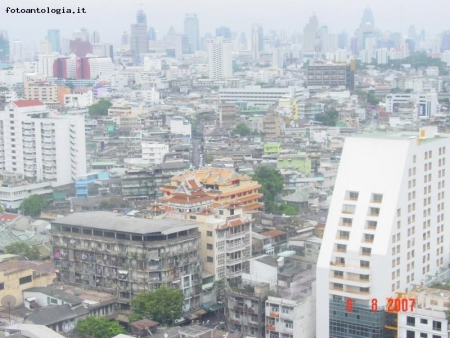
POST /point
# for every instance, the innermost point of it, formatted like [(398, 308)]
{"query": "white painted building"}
[(40, 146), (45, 64), (385, 228), (101, 68), (153, 153), (180, 126), (257, 95), (12, 76), (219, 58), (426, 103), (12, 195), (428, 318), (382, 56), (80, 98)]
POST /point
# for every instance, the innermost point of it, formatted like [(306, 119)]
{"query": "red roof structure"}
[(28, 103)]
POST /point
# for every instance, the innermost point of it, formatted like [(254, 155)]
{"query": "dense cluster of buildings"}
[(144, 156)]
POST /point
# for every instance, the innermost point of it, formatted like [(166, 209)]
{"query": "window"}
[(353, 196), (363, 277), (411, 321), (209, 246), (366, 251), (209, 259), (410, 334), (2, 286), (423, 335), (423, 321), (289, 324), (24, 280), (364, 264), (437, 326), (377, 198), (338, 274), (209, 233)]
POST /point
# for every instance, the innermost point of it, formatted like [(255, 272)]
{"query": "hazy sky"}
[(111, 17)]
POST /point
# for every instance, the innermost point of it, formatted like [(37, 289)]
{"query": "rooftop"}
[(57, 293), (105, 220), (13, 266), (28, 103)]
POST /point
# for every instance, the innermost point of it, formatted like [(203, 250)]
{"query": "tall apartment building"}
[(339, 76), (227, 115), (220, 62), (385, 230), (112, 252), (245, 308), (226, 242), (39, 146)]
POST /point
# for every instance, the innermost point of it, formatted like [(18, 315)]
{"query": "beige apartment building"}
[(49, 94), (17, 276)]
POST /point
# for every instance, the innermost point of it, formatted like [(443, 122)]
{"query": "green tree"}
[(209, 159), (163, 305), (241, 129), (98, 327), (33, 205), (100, 108), (272, 184), (329, 118), (371, 99), (23, 249)]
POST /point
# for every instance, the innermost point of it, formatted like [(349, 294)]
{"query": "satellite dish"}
[(8, 302), (166, 335)]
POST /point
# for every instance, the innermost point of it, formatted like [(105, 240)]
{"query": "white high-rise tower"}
[(385, 230), (220, 62)]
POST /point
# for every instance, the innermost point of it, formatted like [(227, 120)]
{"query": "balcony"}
[(274, 314), (233, 261), (235, 247), (236, 235), (234, 273), (288, 330), (270, 327)]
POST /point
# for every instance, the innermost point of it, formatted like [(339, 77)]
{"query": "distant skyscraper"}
[(16, 51), (139, 38), (80, 47), (181, 43), (342, 40), (220, 62), (4, 46), (54, 38), (95, 38), (151, 34), (257, 38), (368, 18), (311, 39), (366, 28), (445, 44), (191, 29), (125, 39), (224, 32), (412, 33), (141, 17)]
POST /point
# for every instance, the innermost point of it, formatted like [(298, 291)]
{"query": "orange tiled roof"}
[(273, 233)]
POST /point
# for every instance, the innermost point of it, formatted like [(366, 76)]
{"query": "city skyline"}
[(282, 16)]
